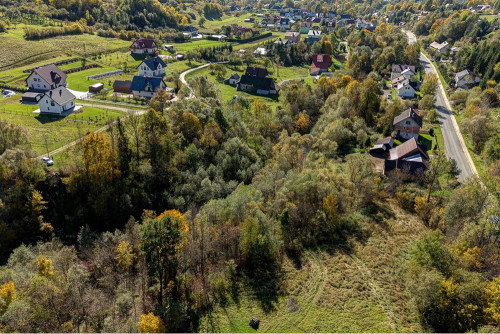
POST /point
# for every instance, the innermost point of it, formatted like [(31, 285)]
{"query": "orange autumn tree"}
[(99, 159)]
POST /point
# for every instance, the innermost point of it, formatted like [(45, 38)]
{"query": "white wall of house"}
[(147, 72), (143, 51), (147, 93), (48, 106), (34, 81), (406, 91)]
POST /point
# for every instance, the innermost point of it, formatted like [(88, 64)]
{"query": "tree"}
[(7, 296), (99, 159), (202, 21), (327, 47), (492, 296), (303, 123), (159, 100), (150, 323), (124, 152), (429, 85), (125, 255), (45, 267), (161, 239), (11, 135)]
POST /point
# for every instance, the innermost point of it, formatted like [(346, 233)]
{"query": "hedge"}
[(251, 39)]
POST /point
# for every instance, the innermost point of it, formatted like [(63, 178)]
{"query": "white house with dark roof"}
[(466, 79), (45, 78), (407, 124), (57, 101), (143, 46), (153, 67)]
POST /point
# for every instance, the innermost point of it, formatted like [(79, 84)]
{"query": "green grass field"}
[(56, 131), (356, 291)]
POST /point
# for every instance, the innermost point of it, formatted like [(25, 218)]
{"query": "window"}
[(407, 122), (52, 103)]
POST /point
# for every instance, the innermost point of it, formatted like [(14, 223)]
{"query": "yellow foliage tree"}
[(184, 21), (7, 296), (99, 158), (150, 323), (303, 123), (45, 267), (330, 206), (492, 298), (125, 255)]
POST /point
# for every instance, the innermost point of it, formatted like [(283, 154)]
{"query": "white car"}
[(8, 93), (48, 161)]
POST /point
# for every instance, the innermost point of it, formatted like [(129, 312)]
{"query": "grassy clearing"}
[(211, 25), (439, 137), (356, 291), (21, 49), (56, 131)]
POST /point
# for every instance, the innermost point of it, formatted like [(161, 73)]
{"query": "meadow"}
[(53, 132), (344, 290)]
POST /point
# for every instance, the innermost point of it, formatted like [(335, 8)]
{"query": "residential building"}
[(260, 51), (382, 147), (439, 47), (292, 36), (407, 124), (406, 89), (153, 67), (259, 85), (397, 70), (284, 23), (232, 80), (320, 63), (283, 42), (466, 79), (144, 46), (256, 71), (57, 101), (45, 78), (313, 36), (189, 31), (146, 86), (410, 157)]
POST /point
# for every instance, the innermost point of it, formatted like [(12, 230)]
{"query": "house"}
[(466, 79), (399, 80), (220, 37), (45, 78), (242, 30), (260, 51), (341, 23), (57, 101), (407, 124), (146, 86), (292, 36), (283, 42), (409, 157), (284, 23), (330, 26), (406, 89), (144, 46), (256, 72), (152, 67), (397, 70), (382, 147), (232, 80), (361, 24), (313, 36), (408, 73), (259, 85), (122, 86), (320, 64), (439, 47), (189, 31)]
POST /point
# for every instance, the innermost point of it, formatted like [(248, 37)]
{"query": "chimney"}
[(60, 92)]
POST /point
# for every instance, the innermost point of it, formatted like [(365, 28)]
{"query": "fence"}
[(80, 68), (105, 75)]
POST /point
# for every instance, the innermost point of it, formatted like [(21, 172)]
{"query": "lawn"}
[(211, 25), (57, 131), (360, 290)]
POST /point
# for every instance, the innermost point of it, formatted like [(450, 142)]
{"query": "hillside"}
[(355, 290)]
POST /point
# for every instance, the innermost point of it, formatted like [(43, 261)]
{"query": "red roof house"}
[(320, 63)]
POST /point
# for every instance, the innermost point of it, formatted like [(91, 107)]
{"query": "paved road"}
[(454, 144)]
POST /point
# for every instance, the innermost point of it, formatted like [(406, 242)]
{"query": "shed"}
[(122, 86), (95, 88)]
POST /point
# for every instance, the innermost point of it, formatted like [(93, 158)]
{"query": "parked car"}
[(48, 161), (8, 93)]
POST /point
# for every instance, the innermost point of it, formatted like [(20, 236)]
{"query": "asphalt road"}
[(454, 144)]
